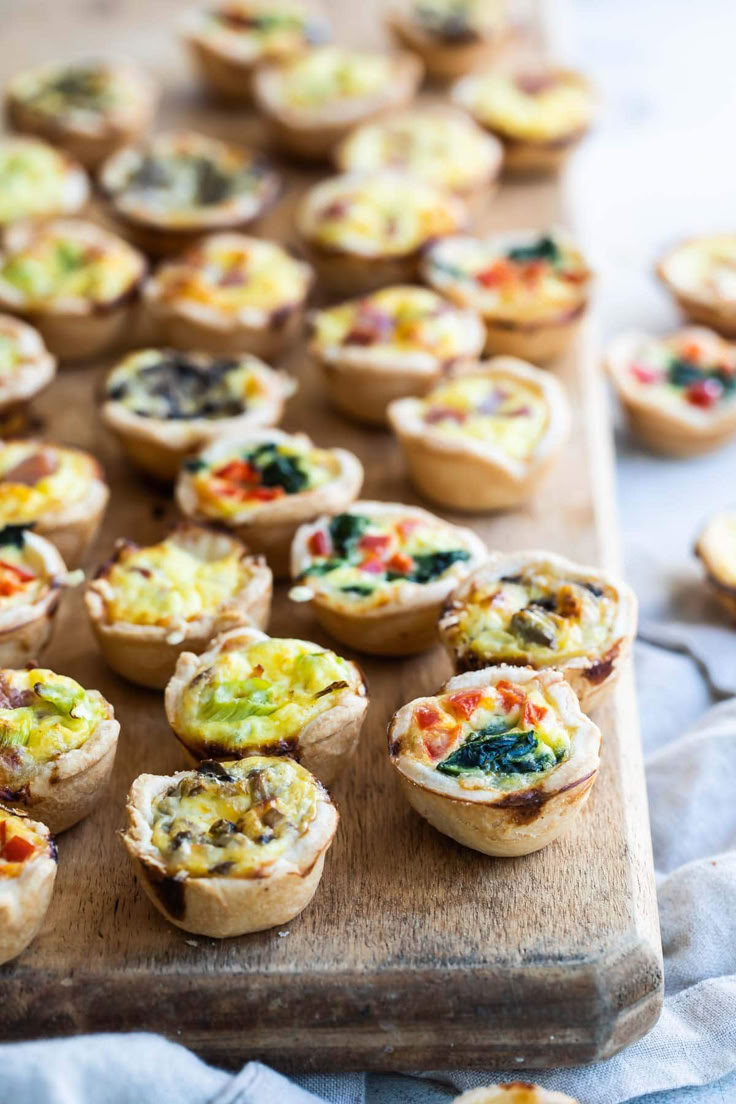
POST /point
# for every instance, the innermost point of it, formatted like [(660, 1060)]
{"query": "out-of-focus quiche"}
[(38, 181), (513, 1092), (452, 37), (701, 276), (716, 548), (27, 876), (32, 575), (26, 365)]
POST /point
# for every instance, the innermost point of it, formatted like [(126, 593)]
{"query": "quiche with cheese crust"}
[(27, 876), (32, 575), (38, 181), (701, 276), (452, 37), (26, 365), (716, 548)]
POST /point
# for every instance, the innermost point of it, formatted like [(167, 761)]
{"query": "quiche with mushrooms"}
[(32, 575), (26, 365), (27, 876), (515, 1092), (502, 759), (716, 547), (38, 182), (701, 276), (452, 37)]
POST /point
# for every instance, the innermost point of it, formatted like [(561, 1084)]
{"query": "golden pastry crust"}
[(679, 390), (363, 232), (464, 471), (159, 445), (38, 182), (515, 1092), (393, 344), (75, 282), (716, 549), (26, 365), (90, 109), (321, 739), (146, 651), (698, 273), (26, 622), (560, 599), (177, 186), (26, 880), (478, 811), (468, 35), (310, 127), (267, 524), (396, 617), (229, 294)]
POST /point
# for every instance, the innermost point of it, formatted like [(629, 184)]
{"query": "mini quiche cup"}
[(264, 484), (75, 282), (537, 609), (38, 182), (378, 574), (716, 548), (59, 492), (174, 187), (699, 274), (364, 231), (230, 294), (311, 101), (26, 365), (452, 37), (540, 115), (399, 341), (228, 39), (530, 288), (484, 440), (148, 605), (679, 390), (27, 876), (252, 694), (163, 405), (501, 760), (230, 848), (32, 574), (89, 108), (514, 1092), (57, 746)]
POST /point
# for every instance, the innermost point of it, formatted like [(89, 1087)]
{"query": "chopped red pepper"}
[(533, 713), (498, 273), (13, 578), (237, 471), (511, 695), (533, 271), (406, 527), (17, 849), (690, 351), (464, 702), (427, 715), (644, 374), (263, 494), (437, 742), (401, 563), (318, 543), (704, 393), (375, 542), (372, 565)]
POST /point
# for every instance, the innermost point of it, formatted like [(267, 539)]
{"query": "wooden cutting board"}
[(415, 953)]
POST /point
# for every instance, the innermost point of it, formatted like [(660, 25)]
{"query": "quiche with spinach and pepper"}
[(148, 605), (537, 609), (502, 759), (531, 289), (32, 575), (174, 187), (26, 365), (716, 548), (378, 573), (230, 848), (364, 231), (452, 37), (59, 492), (701, 276), (57, 745), (397, 342), (27, 876), (38, 182), (484, 440), (89, 108), (515, 1092), (163, 405), (264, 484), (678, 390), (75, 282), (314, 99), (252, 694), (230, 294)]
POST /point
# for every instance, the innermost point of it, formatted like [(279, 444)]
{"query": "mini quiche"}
[(230, 848), (539, 115), (27, 876), (264, 484), (701, 275), (252, 694), (397, 342), (312, 101), (378, 574), (436, 143), (26, 365), (229, 38), (75, 282), (452, 37), (364, 231), (32, 574), (716, 548), (89, 108), (148, 605), (171, 189), (59, 492), (514, 1092), (501, 760), (536, 609), (230, 294), (57, 745), (530, 288), (678, 391), (38, 182), (484, 441), (163, 405)]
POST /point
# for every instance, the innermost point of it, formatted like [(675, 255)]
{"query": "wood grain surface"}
[(415, 953)]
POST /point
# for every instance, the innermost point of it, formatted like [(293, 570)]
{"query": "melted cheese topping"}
[(260, 697), (20, 583), (384, 214), (19, 843), (535, 278), (329, 75), (545, 107), (233, 819), (38, 479), (704, 268), (257, 29), (458, 21), (682, 369), (34, 180), (43, 715), (81, 95), (717, 546)]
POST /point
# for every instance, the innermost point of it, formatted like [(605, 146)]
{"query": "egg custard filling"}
[(704, 268), (458, 22), (254, 30), (233, 818), (681, 369), (19, 843), (20, 583), (547, 107), (83, 94), (37, 180), (258, 698), (43, 715), (327, 75), (37, 479)]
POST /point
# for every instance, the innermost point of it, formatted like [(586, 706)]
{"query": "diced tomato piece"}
[(511, 695), (17, 849), (263, 494), (704, 393), (375, 542), (401, 563), (427, 715), (533, 713), (438, 741), (497, 273), (318, 544), (373, 565), (644, 374), (237, 471), (464, 702)]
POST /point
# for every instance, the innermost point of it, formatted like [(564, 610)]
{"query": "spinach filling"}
[(275, 469), (496, 749), (452, 26), (179, 386), (209, 183), (544, 249), (13, 536), (684, 373)]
